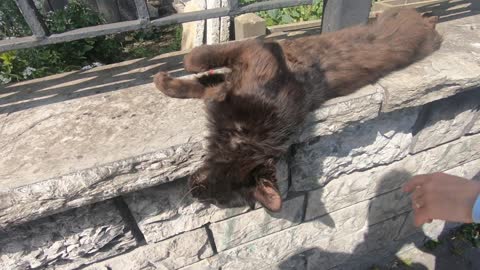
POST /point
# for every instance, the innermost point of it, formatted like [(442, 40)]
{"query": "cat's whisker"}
[(188, 193)]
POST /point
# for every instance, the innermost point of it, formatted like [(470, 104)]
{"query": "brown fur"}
[(254, 112)]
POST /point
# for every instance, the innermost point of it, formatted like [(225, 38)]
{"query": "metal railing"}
[(337, 14)]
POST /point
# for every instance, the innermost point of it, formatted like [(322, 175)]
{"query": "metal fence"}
[(337, 14)]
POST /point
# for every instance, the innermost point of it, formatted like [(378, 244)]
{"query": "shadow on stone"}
[(382, 237), (78, 84)]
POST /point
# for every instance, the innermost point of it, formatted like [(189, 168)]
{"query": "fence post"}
[(142, 11), (338, 14), (32, 17)]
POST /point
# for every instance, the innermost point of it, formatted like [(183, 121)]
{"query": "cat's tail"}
[(362, 55), (407, 29)]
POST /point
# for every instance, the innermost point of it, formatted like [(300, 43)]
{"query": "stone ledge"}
[(81, 137)]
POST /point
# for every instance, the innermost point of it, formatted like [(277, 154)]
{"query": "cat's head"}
[(227, 185)]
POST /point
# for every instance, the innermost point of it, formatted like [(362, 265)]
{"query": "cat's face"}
[(227, 186)]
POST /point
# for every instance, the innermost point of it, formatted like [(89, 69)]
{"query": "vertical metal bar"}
[(32, 17), (142, 10), (338, 14)]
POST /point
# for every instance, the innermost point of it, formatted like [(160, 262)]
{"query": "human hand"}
[(442, 196)]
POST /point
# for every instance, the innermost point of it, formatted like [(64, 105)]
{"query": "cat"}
[(255, 111)]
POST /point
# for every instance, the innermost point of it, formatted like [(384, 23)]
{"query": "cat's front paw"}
[(162, 80)]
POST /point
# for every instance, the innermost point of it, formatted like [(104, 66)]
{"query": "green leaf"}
[(287, 19)]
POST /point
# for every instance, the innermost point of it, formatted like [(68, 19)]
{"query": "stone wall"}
[(342, 180), (344, 208)]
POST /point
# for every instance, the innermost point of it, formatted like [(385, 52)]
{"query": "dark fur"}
[(255, 111)]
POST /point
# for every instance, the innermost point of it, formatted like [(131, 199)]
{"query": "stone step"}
[(81, 137)]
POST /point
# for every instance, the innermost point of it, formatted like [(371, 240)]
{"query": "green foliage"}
[(291, 14), (432, 244), (57, 58), (470, 233), (12, 23), (38, 62)]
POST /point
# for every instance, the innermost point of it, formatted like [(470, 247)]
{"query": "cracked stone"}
[(446, 120), (379, 141), (176, 252), (67, 240)]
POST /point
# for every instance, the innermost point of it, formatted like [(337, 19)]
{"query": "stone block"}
[(181, 250), (272, 250), (67, 240), (379, 141), (96, 134), (193, 32), (388, 205), (475, 128), (359, 250), (249, 25), (338, 113), (224, 24), (449, 70), (167, 210), (458, 158), (446, 120), (432, 230), (256, 224), (468, 170), (435, 229), (207, 264), (213, 25)]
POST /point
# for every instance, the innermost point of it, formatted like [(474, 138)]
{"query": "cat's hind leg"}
[(187, 88), (208, 57)]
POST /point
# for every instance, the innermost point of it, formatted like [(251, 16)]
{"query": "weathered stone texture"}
[(67, 240), (271, 250), (168, 209), (469, 170), (193, 32), (446, 120), (249, 25), (213, 25), (95, 184), (475, 128), (347, 190), (336, 114), (60, 135), (382, 140), (447, 72), (326, 242), (360, 249), (224, 24), (256, 224), (176, 252)]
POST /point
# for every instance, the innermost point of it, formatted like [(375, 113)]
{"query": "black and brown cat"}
[(255, 110)]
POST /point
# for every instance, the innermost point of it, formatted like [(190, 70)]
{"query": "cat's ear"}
[(267, 194)]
